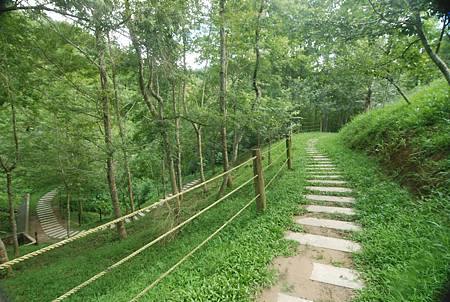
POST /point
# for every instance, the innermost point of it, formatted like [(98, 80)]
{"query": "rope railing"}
[(104, 226), (141, 249), (274, 161), (274, 147), (165, 274), (184, 258), (276, 174)]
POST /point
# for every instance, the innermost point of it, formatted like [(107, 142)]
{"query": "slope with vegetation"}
[(406, 235), (411, 140)]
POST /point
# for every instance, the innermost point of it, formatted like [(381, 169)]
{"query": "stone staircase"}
[(48, 220), (142, 214), (322, 270)]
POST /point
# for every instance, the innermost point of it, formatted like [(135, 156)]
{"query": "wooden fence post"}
[(289, 151), (259, 181)]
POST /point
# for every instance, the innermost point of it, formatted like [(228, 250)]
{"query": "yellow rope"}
[(274, 161), (276, 174), (138, 251), (154, 283), (83, 234), (274, 147)]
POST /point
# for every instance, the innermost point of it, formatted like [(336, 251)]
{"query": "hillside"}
[(412, 141)]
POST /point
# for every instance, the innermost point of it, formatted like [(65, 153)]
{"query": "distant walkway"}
[(47, 218), (322, 270), (142, 214)]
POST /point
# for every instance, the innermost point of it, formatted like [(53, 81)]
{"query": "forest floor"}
[(238, 264)]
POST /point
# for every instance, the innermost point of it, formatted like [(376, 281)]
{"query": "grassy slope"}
[(411, 141), (406, 240), (231, 267)]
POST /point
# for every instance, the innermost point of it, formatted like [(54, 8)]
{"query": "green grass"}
[(405, 256), (411, 141), (405, 238), (231, 267)]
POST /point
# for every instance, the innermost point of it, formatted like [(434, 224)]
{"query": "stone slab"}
[(326, 181), (328, 223), (320, 168), (327, 176), (325, 242), (338, 276), (342, 199), (286, 298), (318, 165), (328, 189), (330, 210)]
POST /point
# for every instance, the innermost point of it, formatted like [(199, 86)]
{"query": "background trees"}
[(119, 98)]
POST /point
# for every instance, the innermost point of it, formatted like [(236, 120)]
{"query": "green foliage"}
[(412, 141)]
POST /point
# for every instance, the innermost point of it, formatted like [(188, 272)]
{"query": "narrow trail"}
[(322, 269), (142, 214), (48, 220)]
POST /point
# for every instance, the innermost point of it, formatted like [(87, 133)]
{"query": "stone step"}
[(49, 225), (286, 298), (328, 176), (324, 181), (141, 214), (328, 223), (330, 210), (337, 244), (57, 233), (320, 168), (314, 166), (328, 189), (321, 161), (342, 199), (338, 276)]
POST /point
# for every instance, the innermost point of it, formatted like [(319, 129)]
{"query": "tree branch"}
[(40, 7), (446, 23)]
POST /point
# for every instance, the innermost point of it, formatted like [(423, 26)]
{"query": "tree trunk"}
[(4, 255), (433, 56), (163, 176), (122, 133), (198, 132), (68, 213), (169, 160), (390, 80), (111, 176), (80, 212), (12, 217), (177, 140), (368, 102), (213, 160), (237, 137), (223, 97)]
